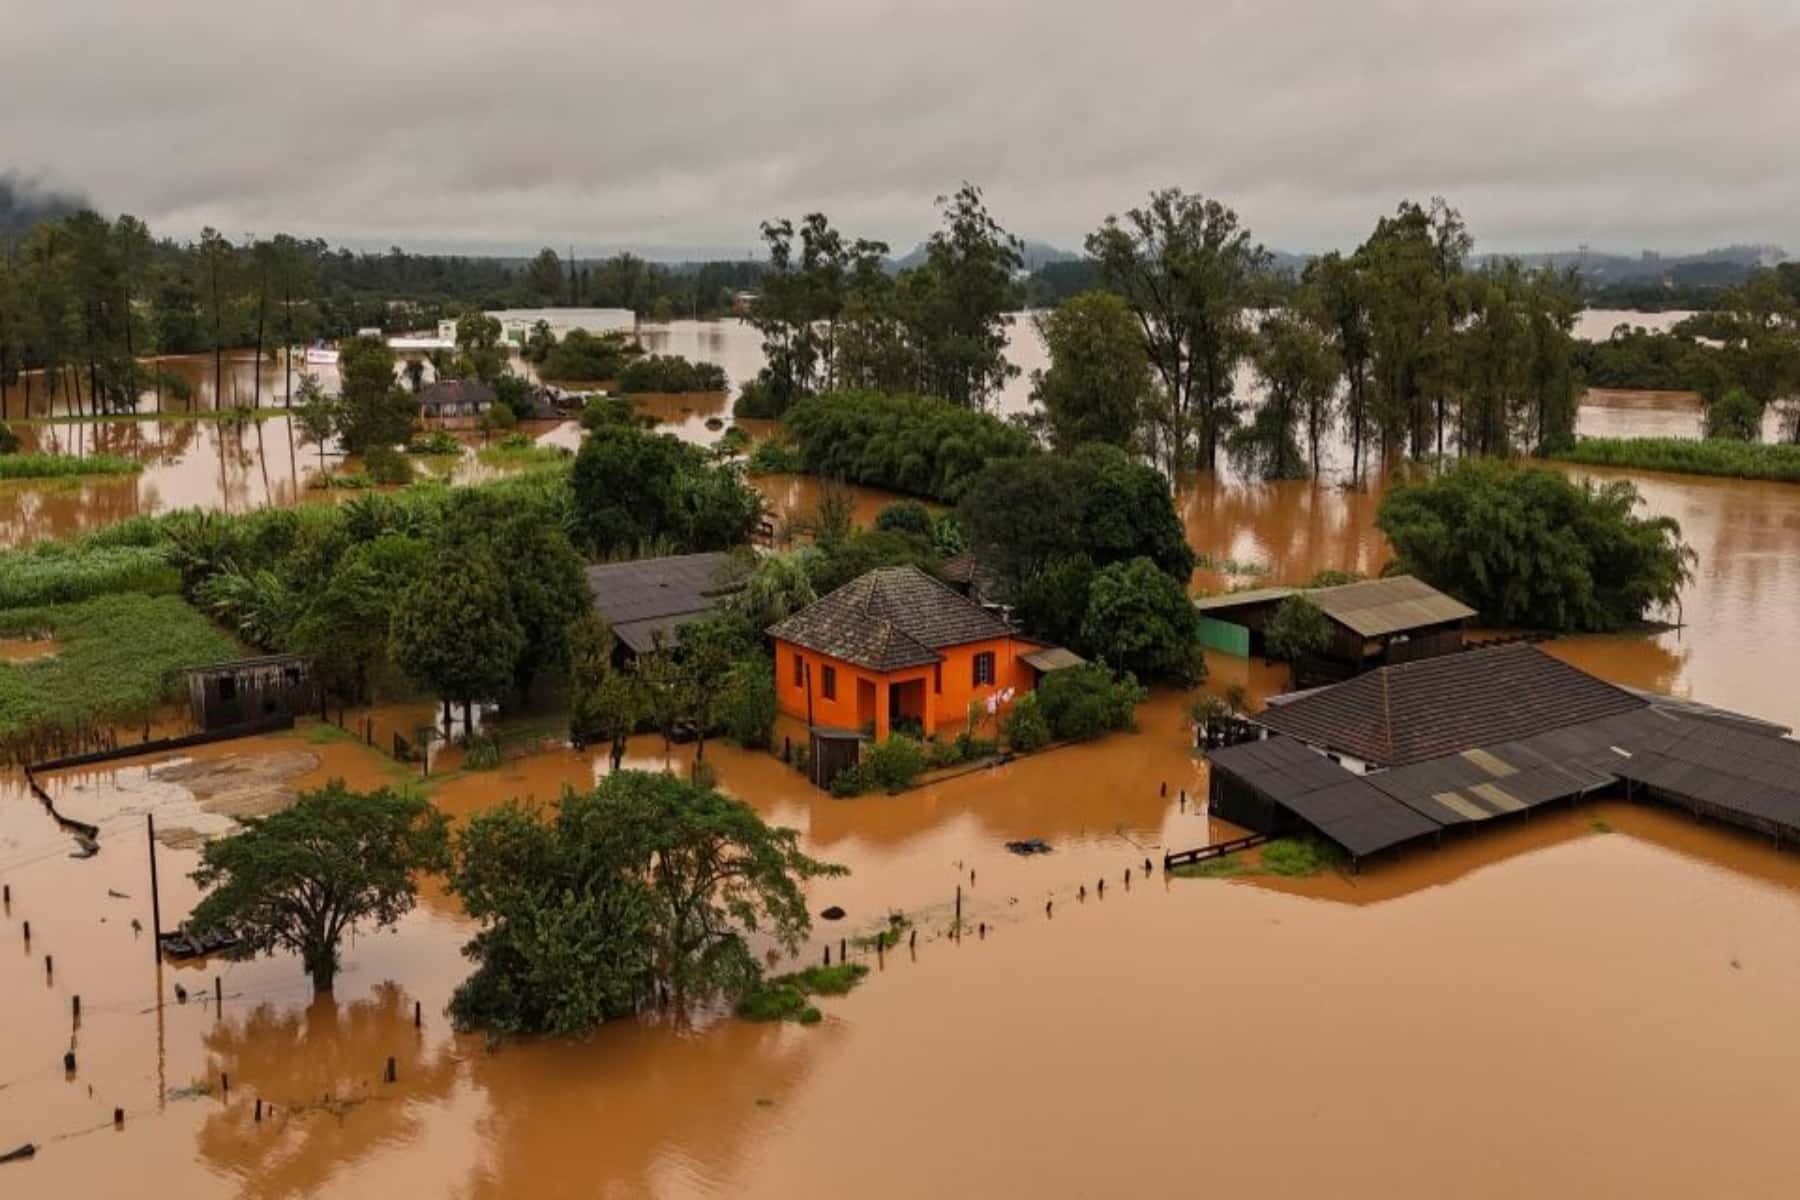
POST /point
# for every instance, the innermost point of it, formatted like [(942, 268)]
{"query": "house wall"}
[(948, 688)]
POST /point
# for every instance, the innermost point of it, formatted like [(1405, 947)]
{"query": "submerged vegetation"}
[(1732, 459), (1289, 858), (64, 466), (1529, 548), (785, 997), (121, 659)]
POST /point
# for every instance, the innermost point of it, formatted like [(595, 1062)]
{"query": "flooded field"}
[(1593, 998), (1578, 1003)]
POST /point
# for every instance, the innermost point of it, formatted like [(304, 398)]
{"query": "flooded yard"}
[(1590, 1001)]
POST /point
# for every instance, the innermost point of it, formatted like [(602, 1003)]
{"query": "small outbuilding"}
[(1375, 622), (250, 692)]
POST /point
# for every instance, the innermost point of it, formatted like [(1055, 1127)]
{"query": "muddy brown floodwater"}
[(1592, 1001)]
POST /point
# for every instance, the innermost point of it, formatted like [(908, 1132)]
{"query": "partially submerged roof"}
[(455, 393), (1742, 771), (889, 619), (1052, 658), (1436, 706), (648, 596), (1342, 806), (1378, 607)]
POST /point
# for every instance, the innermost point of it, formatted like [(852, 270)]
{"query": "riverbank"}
[(1765, 461)]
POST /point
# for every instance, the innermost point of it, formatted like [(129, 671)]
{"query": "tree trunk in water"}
[(468, 719)]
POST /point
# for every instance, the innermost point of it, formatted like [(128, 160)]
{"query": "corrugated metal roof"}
[(1248, 596), (1052, 658), (1378, 607), (1337, 803)]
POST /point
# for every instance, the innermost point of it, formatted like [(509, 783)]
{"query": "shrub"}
[(1140, 619), (481, 753), (732, 441), (438, 442), (748, 714), (905, 516), (1027, 729), (608, 410), (498, 417), (387, 465), (758, 401), (1735, 416), (1086, 701), (892, 766), (590, 357), (773, 457), (9, 441), (671, 373)]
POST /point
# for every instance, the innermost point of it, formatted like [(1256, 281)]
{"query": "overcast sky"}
[(674, 126)]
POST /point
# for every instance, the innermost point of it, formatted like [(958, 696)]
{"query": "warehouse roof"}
[(1340, 805)]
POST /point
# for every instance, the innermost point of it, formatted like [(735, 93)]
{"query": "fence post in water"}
[(155, 894), (259, 1109), (843, 951), (828, 954), (75, 1008), (392, 1070), (68, 1062), (8, 894), (224, 1084), (959, 905), (28, 935), (49, 968), (1165, 787), (416, 1018), (118, 1118), (218, 993)]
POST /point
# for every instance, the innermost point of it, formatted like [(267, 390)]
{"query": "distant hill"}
[(1037, 255)]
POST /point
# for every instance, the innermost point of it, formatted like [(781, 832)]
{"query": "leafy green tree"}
[(647, 881), (1342, 286), (1190, 273), (1099, 387), (954, 305), (919, 445), (373, 410), (776, 589), (454, 632), (1735, 416), (747, 711), (1299, 371), (710, 649), (606, 704), (317, 416), (1020, 514), (813, 282), (302, 878), (544, 276), (1527, 547), (588, 357), (343, 627), (480, 353), (905, 516), (1297, 628), (545, 587), (1140, 620), (631, 487)]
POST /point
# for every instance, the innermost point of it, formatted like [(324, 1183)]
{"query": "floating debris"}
[(834, 913), (1030, 846)]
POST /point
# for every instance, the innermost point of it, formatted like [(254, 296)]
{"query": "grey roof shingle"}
[(889, 619), (648, 595), (1436, 706)]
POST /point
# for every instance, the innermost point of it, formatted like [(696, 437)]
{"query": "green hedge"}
[(64, 466)]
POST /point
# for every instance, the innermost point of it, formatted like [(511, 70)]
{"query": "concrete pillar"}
[(882, 716)]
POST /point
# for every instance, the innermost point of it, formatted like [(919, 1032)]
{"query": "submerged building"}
[(1403, 753)]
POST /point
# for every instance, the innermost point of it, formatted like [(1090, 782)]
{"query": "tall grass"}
[(64, 466), (55, 573), (1779, 461), (120, 660)]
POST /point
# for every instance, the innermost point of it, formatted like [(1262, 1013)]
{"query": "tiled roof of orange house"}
[(889, 619), (1436, 706)]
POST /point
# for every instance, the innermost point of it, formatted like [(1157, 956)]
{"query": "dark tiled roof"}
[(1341, 805), (1436, 706), (456, 392), (657, 594), (889, 619)]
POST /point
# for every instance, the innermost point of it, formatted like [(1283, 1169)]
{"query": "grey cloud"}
[(1661, 123)]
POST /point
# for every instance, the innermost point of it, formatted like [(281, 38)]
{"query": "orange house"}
[(890, 644)]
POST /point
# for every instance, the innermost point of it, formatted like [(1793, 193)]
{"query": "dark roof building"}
[(889, 619), (1413, 749), (455, 398), (1418, 710), (653, 596)]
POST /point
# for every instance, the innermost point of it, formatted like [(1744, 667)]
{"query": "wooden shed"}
[(251, 691)]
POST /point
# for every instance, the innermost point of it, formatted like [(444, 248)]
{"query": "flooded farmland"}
[(1593, 997)]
